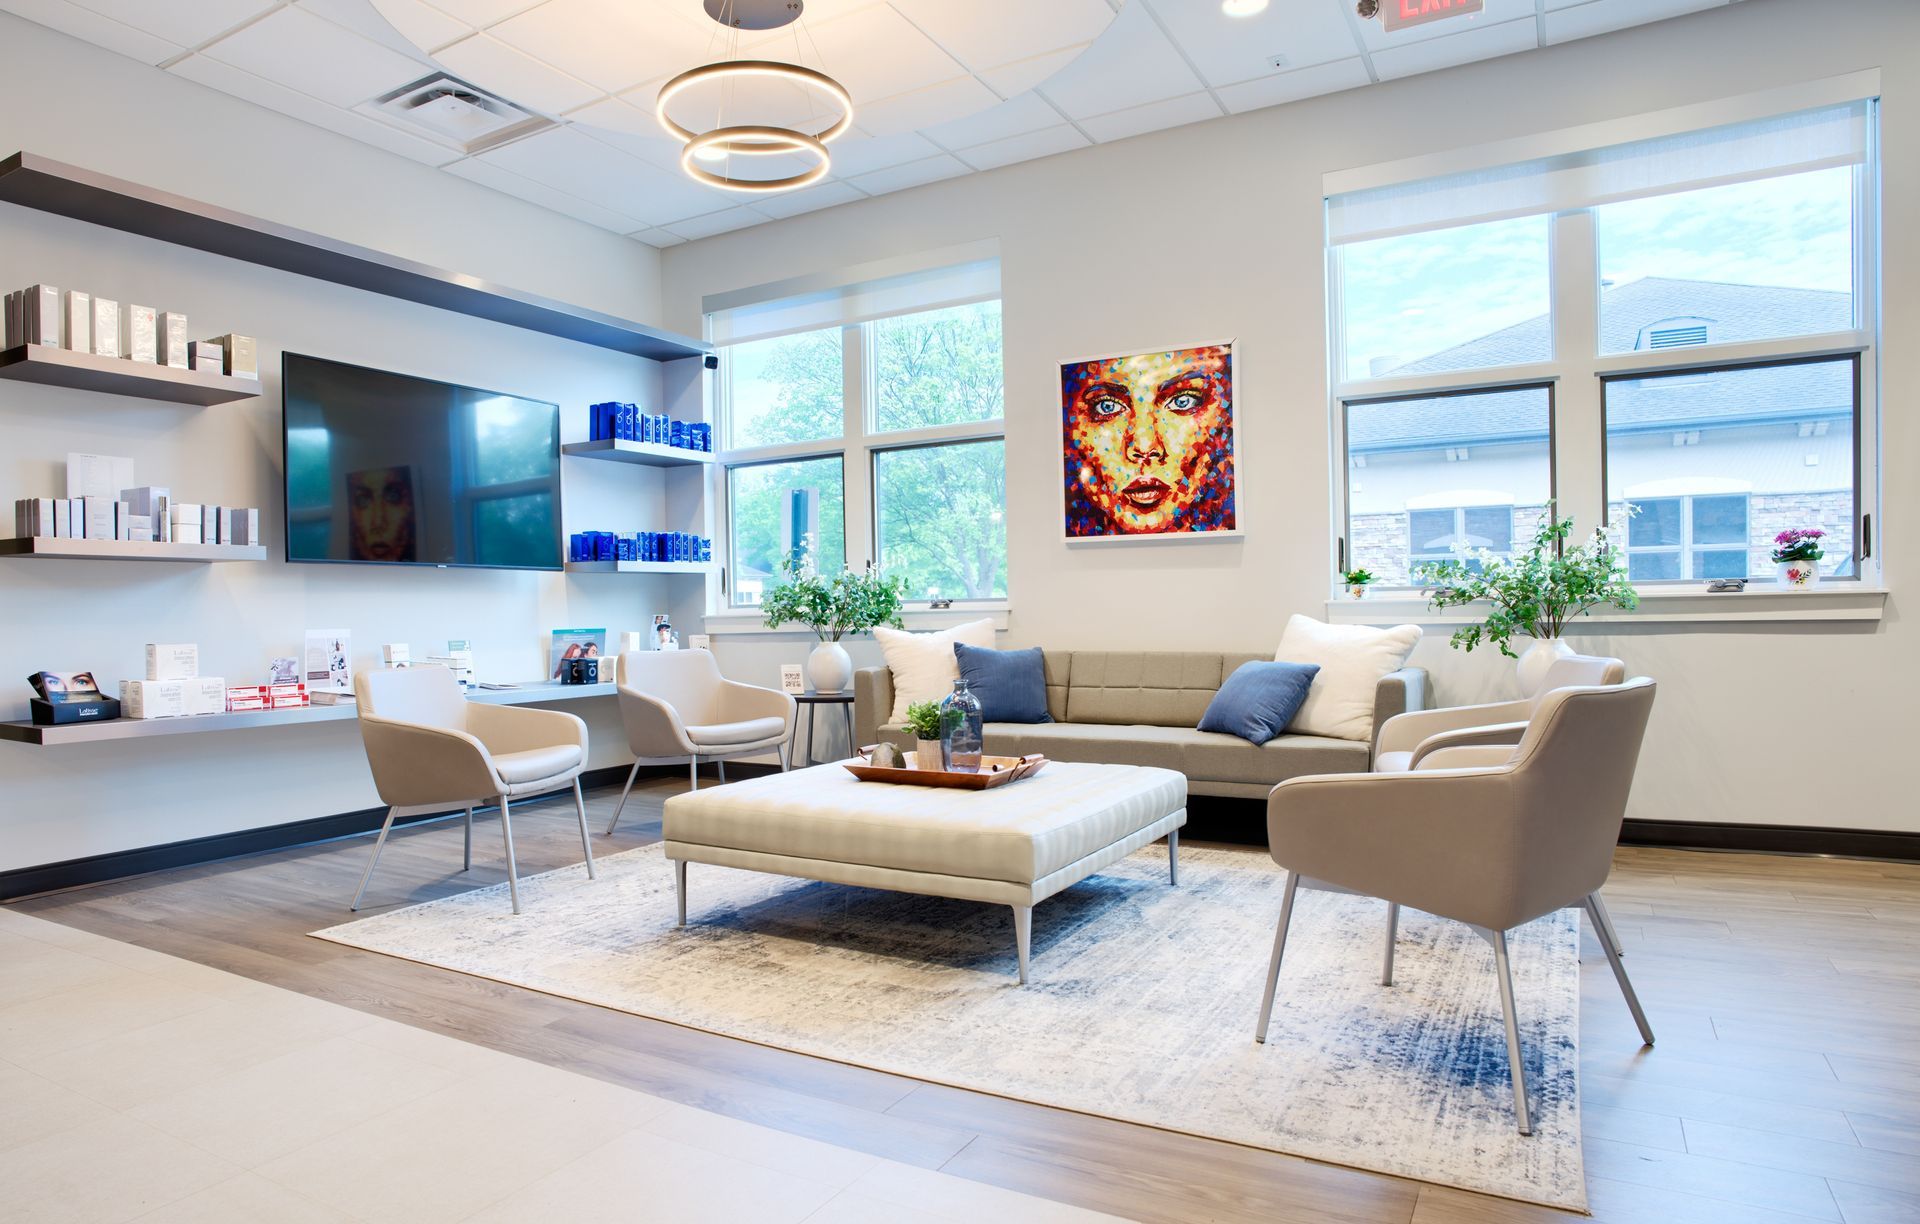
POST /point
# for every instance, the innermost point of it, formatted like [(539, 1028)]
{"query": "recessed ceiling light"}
[(1242, 8)]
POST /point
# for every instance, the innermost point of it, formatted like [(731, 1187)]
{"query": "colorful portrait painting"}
[(1148, 444)]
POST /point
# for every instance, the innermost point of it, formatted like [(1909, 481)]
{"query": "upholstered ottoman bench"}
[(1013, 845)]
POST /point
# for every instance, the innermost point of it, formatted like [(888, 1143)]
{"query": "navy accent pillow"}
[(1259, 700), (1010, 684)]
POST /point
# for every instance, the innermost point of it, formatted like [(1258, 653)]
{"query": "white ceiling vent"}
[(453, 113)]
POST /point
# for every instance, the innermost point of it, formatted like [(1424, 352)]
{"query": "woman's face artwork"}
[(1149, 443), (380, 514)]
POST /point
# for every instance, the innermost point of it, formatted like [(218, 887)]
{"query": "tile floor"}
[(136, 1086)]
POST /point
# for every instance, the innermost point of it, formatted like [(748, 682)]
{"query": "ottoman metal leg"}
[(1173, 857), (1023, 936), (680, 889)]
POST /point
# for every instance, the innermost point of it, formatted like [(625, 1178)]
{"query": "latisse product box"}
[(79, 319), (172, 338), (42, 315), (180, 661), (106, 327), (142, 338), (243, 359)]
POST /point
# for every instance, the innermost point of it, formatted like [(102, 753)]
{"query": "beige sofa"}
[(1140, 708)]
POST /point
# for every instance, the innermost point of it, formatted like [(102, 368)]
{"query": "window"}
[(882, 441), (1728, 370)]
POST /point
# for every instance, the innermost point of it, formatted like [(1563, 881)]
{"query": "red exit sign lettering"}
[(1399, 14)]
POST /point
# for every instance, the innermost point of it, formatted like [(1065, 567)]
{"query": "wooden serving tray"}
[(994, 771)]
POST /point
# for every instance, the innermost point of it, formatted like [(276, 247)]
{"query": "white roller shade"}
[(840, 305), (1783, 144)]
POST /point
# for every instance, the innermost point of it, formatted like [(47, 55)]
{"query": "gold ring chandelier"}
[(730, 137)]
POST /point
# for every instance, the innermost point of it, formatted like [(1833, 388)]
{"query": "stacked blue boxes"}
[(626, 423)]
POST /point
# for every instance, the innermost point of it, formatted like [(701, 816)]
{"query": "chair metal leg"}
[(1516, 1062), (786, 755), (847, 709), (506, 835), (1023, 936), (693, 773), (631, 775), (1620, 971), (1173, 857), (721, 765), (680, 890), (1393, 933), (466, 863), (807, 761), (1603, 924), (378, 845), (1279, 948), (586, 843)]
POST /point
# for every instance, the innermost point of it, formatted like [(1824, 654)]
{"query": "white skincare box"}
[(186, 524), (97, 514), (396, 654), (242, 525), (207, 356), (41, 315), (140, 531), (62, 518), (151, 503), (141, 340), (173, 698), (176, 661), (122, 521), (11, 330), (106, 327), (172, 337), (79, 321), (243, 356)]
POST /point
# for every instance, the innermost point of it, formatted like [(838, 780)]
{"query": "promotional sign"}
[(1399, 14), (793, 678)]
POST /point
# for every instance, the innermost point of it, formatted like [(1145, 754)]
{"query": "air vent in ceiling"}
[(454, 113)]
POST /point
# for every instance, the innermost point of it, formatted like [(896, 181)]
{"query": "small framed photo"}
[(793, 678)]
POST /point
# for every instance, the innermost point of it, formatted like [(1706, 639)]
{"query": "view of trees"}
[(940, 509)]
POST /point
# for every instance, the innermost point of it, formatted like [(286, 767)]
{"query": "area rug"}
[(1141, 1006)]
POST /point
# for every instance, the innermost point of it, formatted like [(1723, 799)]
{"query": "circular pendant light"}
[(735, 135)]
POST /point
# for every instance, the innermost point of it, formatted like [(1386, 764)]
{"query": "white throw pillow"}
[(1352, 659), (923, 665)]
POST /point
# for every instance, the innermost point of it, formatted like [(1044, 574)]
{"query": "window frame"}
[(1687, 547), (857, 448)]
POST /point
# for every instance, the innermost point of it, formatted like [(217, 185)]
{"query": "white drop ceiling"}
[(942, 88)]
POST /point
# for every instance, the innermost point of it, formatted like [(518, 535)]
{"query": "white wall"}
[(1215, 230), (79, 104)]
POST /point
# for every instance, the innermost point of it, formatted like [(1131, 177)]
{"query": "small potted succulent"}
[(1357, 581), (1796, 558), (923, 719)]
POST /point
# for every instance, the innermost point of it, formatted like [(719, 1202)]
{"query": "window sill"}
[(746, 621), (1837, 601)]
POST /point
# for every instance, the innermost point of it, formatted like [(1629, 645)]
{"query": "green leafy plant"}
[(923, 718), (1535, 592), (848, 602), (1358, 577)]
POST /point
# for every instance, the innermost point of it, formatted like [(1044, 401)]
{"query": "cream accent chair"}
[(678, 707), (1513, 834), (432, 750)]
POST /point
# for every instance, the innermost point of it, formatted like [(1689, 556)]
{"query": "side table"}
[(811, 702)]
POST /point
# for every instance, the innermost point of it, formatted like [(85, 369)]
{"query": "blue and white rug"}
[(1141, 1006)]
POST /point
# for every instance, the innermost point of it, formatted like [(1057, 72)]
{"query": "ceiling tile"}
[(421, 24), (628, 128), (1012, 80), (1131, 64), (1027, 113), (874, 52), (316, 57), (1604, 16), (1024, 148), (1484, 42), (1497, 12), (89, 26), (613, 44), (1174, 112), (913, 174), (808, 199), (1293, 86), (977, 32), (716, 222), (568, 160), (656, 238), (858, 154), (526, 189), (481, 13), (515, 76), (410, 27), (1229, 49), (188, 22), (910, 112), (275, 96)]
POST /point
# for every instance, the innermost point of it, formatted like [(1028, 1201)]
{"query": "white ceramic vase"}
[(1537, 658), (830, 668), (1796, 575)]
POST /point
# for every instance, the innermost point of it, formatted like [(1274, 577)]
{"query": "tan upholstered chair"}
[(678, 707), (1521, 833), (432, 750)]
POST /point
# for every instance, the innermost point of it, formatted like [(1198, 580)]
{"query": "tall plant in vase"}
[(848, 602), (1536, 592)]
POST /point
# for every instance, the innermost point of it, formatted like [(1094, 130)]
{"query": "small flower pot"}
[(926, 754), (1796, 575), (1357, 590)]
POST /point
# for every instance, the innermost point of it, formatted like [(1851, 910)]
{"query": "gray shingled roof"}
[(1734, 313)]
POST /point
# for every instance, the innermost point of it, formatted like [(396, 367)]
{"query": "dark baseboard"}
[(1901, 847)]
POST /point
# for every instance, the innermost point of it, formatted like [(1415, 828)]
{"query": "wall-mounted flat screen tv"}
[(388, 469)]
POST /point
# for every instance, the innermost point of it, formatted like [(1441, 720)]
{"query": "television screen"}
[(388, 469)]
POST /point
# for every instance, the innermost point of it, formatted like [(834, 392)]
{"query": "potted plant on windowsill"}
[(1796, 558), (923, 719), (833, 607), (1357, 581), (1537, 592)]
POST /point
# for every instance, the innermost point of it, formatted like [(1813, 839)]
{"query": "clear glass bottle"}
[(961, 730)]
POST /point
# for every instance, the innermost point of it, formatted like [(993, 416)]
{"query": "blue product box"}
[(630, 420), (603, 546), (706, 549), (576, 547), (677, 434), (600, 421), (653, 429), (649, 546), (704, 433)]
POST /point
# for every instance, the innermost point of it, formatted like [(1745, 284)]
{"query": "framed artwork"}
[(1148, 444)]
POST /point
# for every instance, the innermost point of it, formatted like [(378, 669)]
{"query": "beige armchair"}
[(432, 750), (678, 707), (1494, 845)]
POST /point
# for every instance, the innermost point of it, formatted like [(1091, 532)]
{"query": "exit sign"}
[(1399, 14)]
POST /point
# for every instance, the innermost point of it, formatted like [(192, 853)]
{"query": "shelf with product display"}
[(130, 550), (640, 567), (648, 454), (61, 367)]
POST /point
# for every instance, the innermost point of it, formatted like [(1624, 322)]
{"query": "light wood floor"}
[(1785, 992)]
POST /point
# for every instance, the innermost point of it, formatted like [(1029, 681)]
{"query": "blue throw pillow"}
[(1011, 684), (1259, 700)]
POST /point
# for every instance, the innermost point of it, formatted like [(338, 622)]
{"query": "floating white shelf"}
[(58, 367), (129, 550), (649, 454), (640, 567)]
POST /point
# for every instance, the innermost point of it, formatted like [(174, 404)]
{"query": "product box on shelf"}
[(173, 661), (173, 698), (185, 524), (243, 360), (40, 315), (396, 654), (142, 335), (106, 327), (170, 333), (248, 697), (79, 321), (206, 356)]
